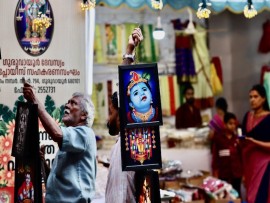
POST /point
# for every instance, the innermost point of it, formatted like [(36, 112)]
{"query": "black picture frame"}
[(147, 186), (26, 151), (26, 130), (28, 169), (145, 99), (140, 148)]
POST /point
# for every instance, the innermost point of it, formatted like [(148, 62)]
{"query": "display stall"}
[(78, 46)]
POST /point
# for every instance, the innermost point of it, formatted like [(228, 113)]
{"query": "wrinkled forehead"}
[(76, 99)]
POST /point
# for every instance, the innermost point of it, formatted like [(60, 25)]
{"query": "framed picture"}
[(28, 186), (139, 95), (140, 148), (147, 187), (26, 130)]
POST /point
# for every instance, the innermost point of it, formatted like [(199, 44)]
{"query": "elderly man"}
[(73, 173)]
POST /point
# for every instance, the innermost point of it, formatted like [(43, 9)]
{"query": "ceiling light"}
[(157, 4), (159, 33), (203, 11), (249, 10), (88, 4)]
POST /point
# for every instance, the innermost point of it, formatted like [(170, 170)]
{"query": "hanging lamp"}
[(158, 33), (88, 4), (203, 11), (157, 4), (249, 10)]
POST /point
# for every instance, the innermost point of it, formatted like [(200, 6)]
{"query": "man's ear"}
[(131, 105), (83, 116)]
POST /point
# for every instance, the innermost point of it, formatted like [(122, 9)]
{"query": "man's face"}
[(113, 122), (189, 96), (73, 115)]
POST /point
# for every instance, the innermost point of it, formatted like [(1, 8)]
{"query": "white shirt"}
[(120, 184)]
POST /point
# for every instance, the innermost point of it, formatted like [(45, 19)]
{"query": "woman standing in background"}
[(256, 147)]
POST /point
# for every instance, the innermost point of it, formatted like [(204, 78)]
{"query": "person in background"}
[(187, 115), (73, 173), (120, 186), (217, 123), (256, 147), (226, 156)]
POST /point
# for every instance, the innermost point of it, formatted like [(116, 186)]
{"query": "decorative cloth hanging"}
[(264, 45), (184, 64), (217, 63), (110, 43), (170, 94), (202, 89)]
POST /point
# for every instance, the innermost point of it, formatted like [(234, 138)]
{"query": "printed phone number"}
[(47, 89)]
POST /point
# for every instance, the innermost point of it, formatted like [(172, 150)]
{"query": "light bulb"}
[(158, 34)]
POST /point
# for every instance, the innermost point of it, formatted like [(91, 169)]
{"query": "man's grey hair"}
[(87, 107)]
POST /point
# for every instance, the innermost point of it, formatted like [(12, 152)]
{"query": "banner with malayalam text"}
[(42, 41)]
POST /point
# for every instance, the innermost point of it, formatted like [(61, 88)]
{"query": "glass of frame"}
[(26, 137), (21, 128), (147, 186), (139, 95), (27, 181), (140, 148)]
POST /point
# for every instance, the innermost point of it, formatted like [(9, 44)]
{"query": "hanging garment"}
[(203, 88), (164, 95), (264, 70), (266, 84), (184, 64), (216, 61), (100, 44), (112, 43), (170, 94), (100, 100), (215, 81), (264, 45), (265, 80)]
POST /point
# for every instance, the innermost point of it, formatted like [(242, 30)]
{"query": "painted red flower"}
[(4, 158), (9, 177), (11, 127), (6, 142)]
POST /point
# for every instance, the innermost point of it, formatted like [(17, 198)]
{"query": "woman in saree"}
[(216, 125), (256, 147)]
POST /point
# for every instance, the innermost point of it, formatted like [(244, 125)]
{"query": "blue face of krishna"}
[(140, 97)]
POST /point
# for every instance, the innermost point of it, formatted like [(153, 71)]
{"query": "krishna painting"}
[(139, 95)]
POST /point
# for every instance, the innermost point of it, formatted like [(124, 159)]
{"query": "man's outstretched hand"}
[(136, 37)]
